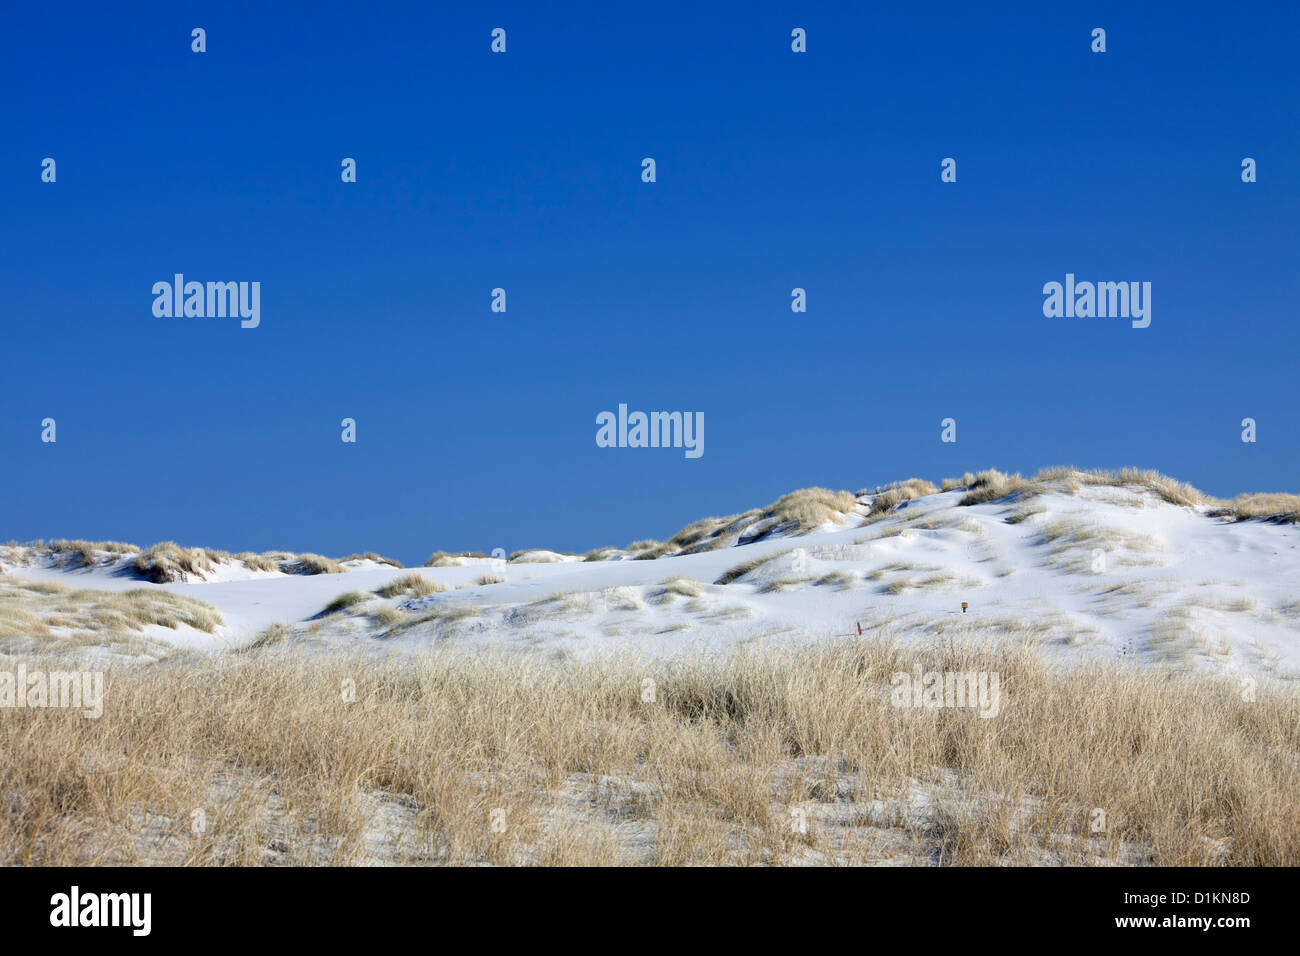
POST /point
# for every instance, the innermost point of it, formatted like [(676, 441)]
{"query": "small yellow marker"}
[(964, 605)]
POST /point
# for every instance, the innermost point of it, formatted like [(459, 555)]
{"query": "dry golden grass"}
[(1278, 508), (46, 617), (289, 563), (774, 585), (372, 556), (797, 513), (452, 758), (386, 616), (707, 534), (538, 556), (79, 553), (275, 634), (745, 567), (65, 553), (802, 511), (890, 498), (895, 567), (1022, 514), (309, 563), (681, 587), (941, 579), (168, 561), (1074, 543), (991, 485), (443, 559), (442, 622), (260, 562), (649, 550), (344, 601), (840, 580), (1168, 489), (109, 547), (410, 585)]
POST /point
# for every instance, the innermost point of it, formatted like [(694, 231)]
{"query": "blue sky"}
[(775, 170)]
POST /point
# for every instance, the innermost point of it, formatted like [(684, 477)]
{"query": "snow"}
[(1108, 571)]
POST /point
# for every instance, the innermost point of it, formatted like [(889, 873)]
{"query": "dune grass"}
[(839, 580), (344, 601), (1022, 514), (745, 567), (538, 556), (260, 562), (167, 561), (808, 508), (444, 559), (41, 616), (459, 758), (990, 485), (798, 512), (676, 587), (900, 585), (1073, 545), (410, 585), (371, 556), (890, 498), (309, 563), (781, 584), (87, 554), (1276, 508)]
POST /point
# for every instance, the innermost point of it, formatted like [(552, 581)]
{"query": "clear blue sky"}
[(477, 430)]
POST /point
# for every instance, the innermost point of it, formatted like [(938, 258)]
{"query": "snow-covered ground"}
[(1102, 570)]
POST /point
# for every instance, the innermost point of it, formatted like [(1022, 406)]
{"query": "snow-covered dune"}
[(1089, 568)]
